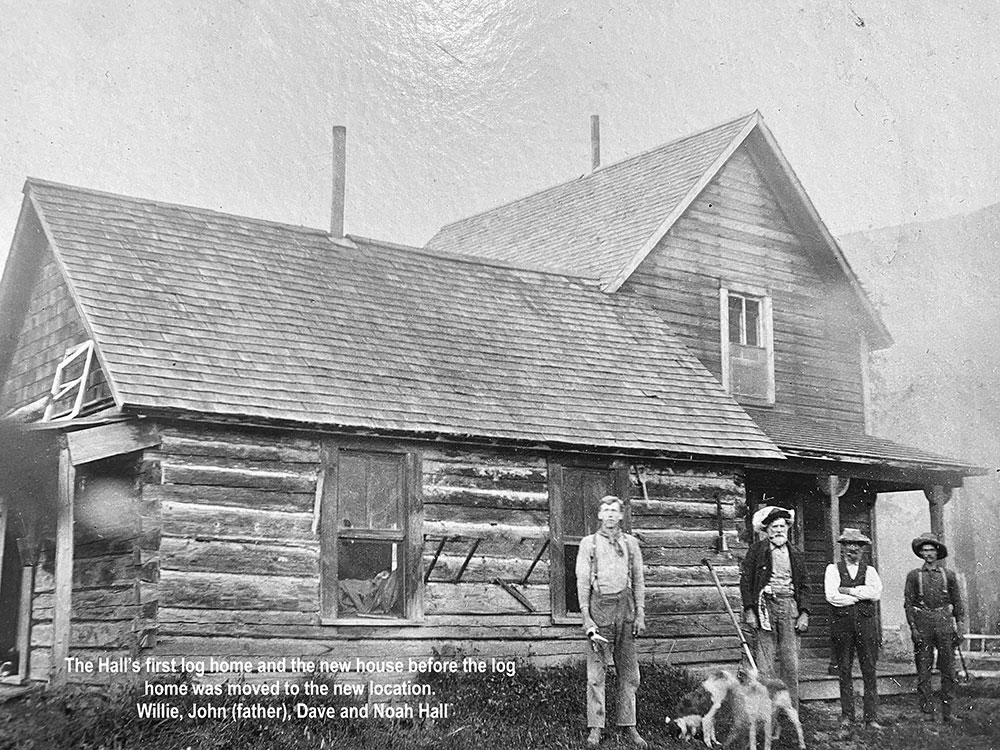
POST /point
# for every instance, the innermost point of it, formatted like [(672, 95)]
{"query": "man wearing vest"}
[(935, 612), (852, 588), (774, 587), (610, 584)]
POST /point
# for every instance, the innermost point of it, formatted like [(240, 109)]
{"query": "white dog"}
[(754, 701)]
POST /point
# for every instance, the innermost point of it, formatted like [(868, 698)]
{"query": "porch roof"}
[(807, 438)]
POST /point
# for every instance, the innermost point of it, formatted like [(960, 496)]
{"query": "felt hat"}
[(767, 515), (928, 538), (850, 535)]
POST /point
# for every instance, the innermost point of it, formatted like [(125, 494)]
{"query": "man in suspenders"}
[(611, 588), (936, 615), (853, 588)]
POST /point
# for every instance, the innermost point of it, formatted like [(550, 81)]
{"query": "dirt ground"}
[(976, 727)]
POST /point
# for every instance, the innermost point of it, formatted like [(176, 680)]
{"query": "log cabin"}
[(228, 437)]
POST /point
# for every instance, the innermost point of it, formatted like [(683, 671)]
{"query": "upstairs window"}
[(369, 556), (747, 344)]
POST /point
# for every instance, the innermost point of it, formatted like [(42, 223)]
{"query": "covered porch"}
[(832, 479)]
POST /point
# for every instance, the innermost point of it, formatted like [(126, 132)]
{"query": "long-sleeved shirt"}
[(870, 590), (931, 578), (612, 568)]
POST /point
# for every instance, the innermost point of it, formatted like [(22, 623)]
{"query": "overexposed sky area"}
[(887, 110)]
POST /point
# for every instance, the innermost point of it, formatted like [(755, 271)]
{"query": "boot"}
[(594, 738), (635, 738)]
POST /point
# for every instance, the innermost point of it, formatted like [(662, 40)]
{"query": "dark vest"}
[(865, 607)]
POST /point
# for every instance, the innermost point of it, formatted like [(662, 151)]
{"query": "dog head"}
[(683, 727)]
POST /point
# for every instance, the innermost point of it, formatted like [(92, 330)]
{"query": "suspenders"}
[(593, 564), (920, 583)]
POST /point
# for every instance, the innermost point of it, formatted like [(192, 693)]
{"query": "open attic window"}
[(77, 384)]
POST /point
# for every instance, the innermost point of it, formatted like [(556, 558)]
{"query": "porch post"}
[(937, 496), (834, 515), (62, 606)]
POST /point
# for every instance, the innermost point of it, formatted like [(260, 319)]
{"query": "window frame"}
[(557, 467), (409, 536), (765, 326)]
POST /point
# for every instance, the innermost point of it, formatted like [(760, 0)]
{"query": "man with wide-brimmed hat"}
[(852, 587), (774, 586), (935, 612)]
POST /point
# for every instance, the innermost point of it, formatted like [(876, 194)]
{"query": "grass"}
[(538, 708)]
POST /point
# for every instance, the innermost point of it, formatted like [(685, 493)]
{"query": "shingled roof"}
[(591, 227), (198, 312), (602, 225), (807, 438)]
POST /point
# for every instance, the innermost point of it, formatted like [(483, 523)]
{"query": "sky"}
[(887, 111)]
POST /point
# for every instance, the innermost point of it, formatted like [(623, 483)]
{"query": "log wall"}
[(114, 567), (736, 232), (236, 572)]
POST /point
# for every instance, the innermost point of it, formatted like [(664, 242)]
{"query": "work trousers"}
[(935, 631), (614, 616), (853, 633), (777, 651)]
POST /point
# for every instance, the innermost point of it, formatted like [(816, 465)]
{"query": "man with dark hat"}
[(774, 586), (852, 587), (935, 612), (611, 588)]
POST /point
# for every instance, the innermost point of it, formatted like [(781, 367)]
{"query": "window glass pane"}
[(370, 491), (735, 319), (582, 493), (753, 322), (385, 484), (369, 578), (352, 511)]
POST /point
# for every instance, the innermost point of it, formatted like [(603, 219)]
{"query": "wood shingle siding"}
[(51, 325)]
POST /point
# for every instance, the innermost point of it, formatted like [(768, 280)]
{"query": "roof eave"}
[(772, 452), (74, 294), (614, 284), (880, 338)]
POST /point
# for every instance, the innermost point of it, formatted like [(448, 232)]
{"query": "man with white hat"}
[(935, 612), (852, 587), (774, 586)]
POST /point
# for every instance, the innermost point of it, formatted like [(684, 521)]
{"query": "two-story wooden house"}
[(230, 437)]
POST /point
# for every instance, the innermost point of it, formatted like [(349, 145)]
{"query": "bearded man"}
[(774, 587)]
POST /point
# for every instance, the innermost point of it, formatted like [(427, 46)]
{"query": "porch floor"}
[(894, 678)]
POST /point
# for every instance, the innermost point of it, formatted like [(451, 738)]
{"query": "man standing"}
[(773, 587), (612, 593), (853, 587), (936, 615)]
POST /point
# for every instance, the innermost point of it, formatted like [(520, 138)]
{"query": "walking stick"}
[(732, 615)]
